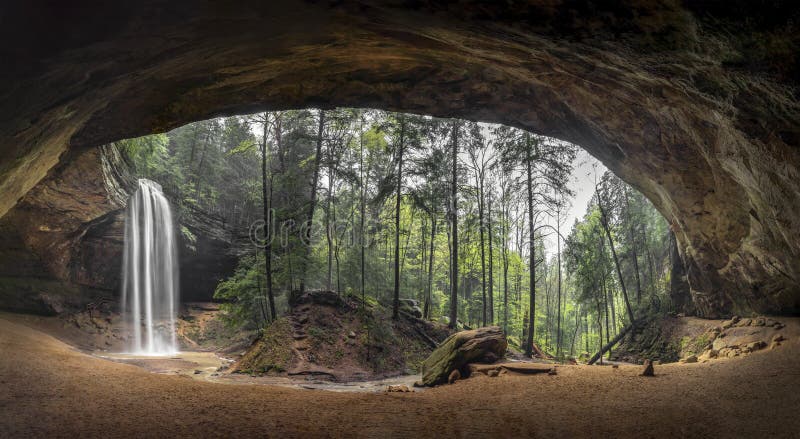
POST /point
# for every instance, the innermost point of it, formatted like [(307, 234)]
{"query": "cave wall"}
[(696, 106), (61, 246), (62, 243), (210, 256)]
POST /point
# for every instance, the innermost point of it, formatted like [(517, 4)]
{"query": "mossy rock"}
[(478, 345)]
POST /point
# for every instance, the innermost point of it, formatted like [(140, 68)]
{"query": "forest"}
[(466, 218)]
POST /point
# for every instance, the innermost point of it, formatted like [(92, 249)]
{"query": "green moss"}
[(271, 353)]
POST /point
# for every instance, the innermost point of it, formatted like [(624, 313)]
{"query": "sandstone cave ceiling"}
[(694, 104)]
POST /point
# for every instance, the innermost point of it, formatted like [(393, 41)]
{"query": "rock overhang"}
[(664, 94)]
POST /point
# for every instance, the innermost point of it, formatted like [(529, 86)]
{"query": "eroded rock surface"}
[(694, 105), (61, 245)]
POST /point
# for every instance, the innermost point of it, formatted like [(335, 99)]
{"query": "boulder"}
[(755, 346), (411, 307), (690, 359), (729, 323), (473, 346)]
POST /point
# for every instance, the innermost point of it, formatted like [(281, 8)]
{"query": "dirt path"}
[(49, 389)]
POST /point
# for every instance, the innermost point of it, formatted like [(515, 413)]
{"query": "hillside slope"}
[(337, 338)]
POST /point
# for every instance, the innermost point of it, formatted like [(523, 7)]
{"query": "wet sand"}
[(206, 366)]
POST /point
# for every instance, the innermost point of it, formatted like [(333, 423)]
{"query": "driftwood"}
[(613, 341)]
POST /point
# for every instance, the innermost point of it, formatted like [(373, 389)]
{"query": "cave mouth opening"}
[(214, 170)]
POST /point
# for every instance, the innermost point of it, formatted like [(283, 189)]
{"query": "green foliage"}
[(243, 299), (640, 238)]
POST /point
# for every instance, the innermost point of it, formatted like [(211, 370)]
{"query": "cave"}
[(668, 97), (693, 104)]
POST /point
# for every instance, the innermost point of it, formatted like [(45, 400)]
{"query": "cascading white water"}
[(150, 272)]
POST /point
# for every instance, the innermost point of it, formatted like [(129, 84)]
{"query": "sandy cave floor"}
[(49, 389)]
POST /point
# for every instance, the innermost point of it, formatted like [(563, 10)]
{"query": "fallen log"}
[(540, 353), (431, 342), (613, 341), (522, 368)]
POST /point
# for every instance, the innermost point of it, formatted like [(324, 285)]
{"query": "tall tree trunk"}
[(423, 257), (518, 289), (525, 326), (605, 303), (558, 253), (575, 335), (426, 309), (261, 302), (586, 332), (651, 278), (547, 308), (599, 326), (328, 237), (504, 245), (634, 255), (291, 267), (313, 203), (200, 170), (334, 239), (408, 240), (483, 248), (613, 305), (362, 190), (454, 226), (195, 135), (399, 195), (604, 222), (279, 141), (491, 262), (531, 244), (266, 196)]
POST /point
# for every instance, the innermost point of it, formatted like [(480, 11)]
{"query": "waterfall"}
[(150, 272)]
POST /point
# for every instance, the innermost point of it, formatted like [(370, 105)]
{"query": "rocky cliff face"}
[(696, 105), (209, 255), (61, 245), (63, 241)]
